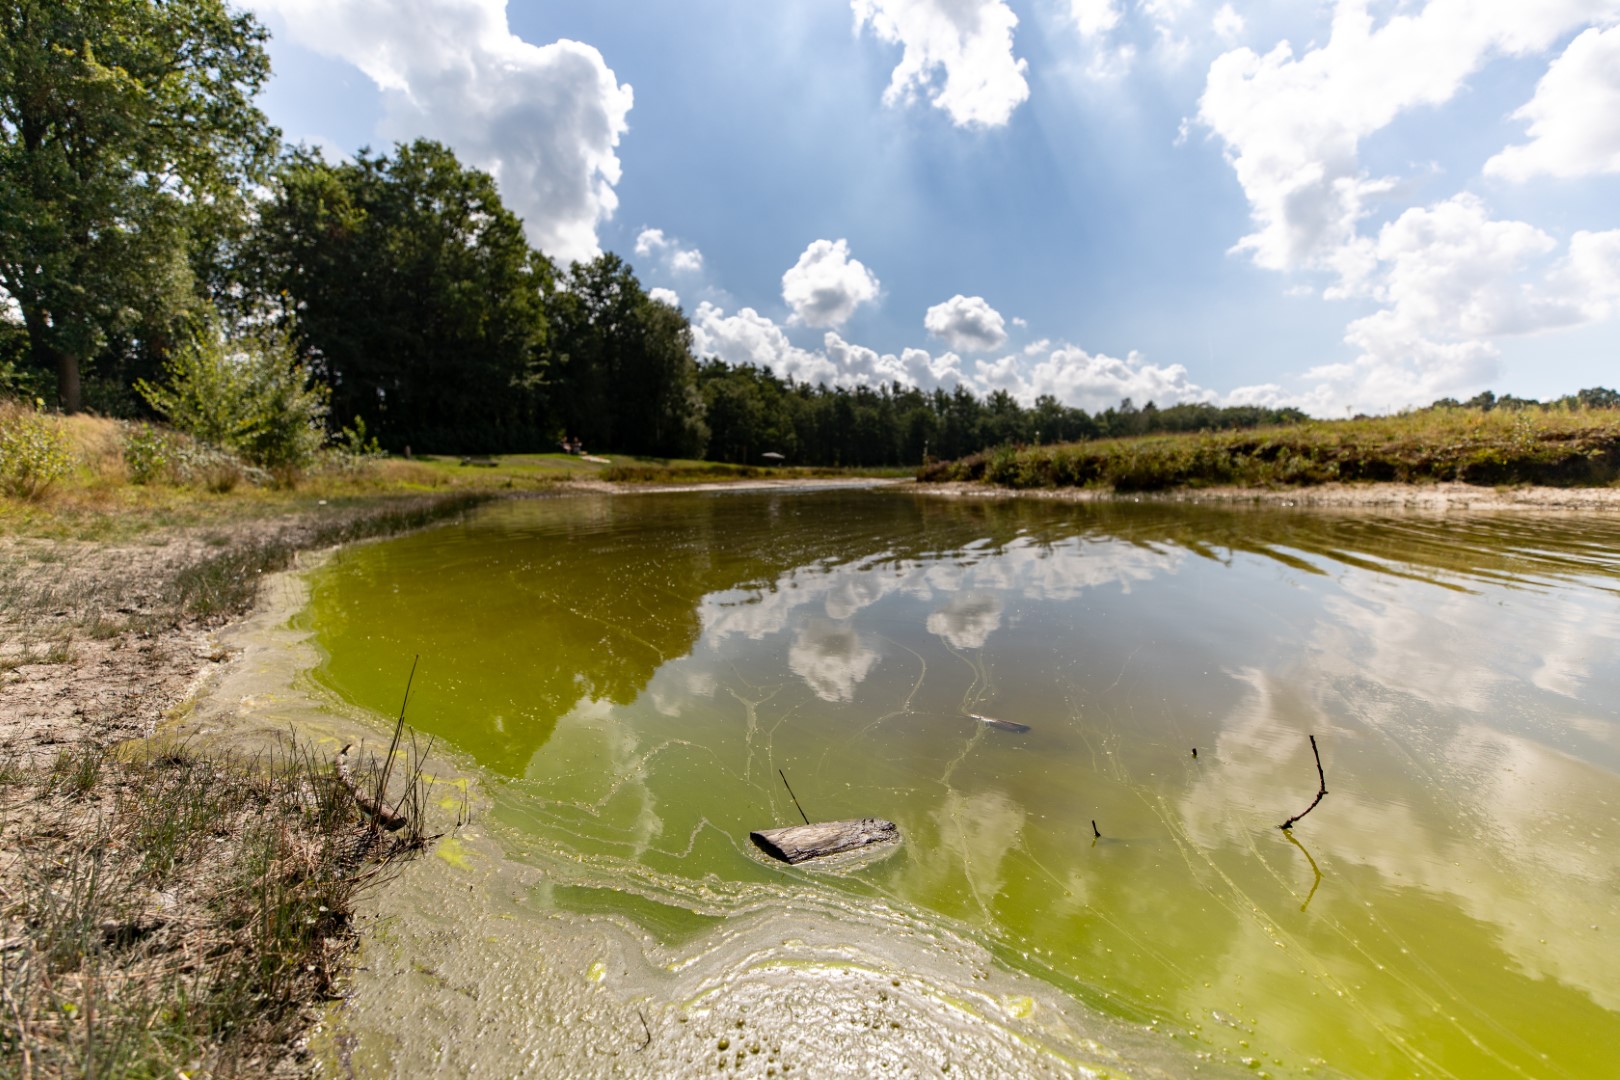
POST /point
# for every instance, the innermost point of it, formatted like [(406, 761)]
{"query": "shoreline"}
[(1437, 497)]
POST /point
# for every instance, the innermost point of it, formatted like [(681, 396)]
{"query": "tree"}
[(416, 295), (248, 393), (624, 378), (127, 128)]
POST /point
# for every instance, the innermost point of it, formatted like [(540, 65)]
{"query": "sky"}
[(1345, 206)]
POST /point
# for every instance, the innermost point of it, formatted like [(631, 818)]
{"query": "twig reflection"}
[(1314, 868)]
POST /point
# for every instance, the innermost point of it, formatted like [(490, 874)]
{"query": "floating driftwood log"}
[(379, 813), (797, 843), (1000, 725)]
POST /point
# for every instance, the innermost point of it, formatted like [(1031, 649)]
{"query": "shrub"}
[(248, 394), (34, 452), (150, 454)]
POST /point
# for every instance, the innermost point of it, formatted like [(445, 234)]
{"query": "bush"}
[(34, 452), (149, 454), (248, 394)]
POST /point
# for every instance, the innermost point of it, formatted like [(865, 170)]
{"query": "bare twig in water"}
[(1095, 835), (792, 796), (1321, 776)]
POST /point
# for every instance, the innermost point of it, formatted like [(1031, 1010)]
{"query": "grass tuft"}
[(178, 914)]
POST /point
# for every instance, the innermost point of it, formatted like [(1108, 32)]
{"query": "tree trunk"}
[(46, 355), (68, 391)]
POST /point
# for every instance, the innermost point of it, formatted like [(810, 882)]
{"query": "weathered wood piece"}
[(797, 843), (383, 816), (1000, 725)]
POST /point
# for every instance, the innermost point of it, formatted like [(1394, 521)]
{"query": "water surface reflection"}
[(640, 669)]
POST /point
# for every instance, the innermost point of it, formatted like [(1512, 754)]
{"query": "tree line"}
[(151, 218)]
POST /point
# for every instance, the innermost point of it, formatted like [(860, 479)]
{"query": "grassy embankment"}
[(1554, 447), (98, 499)]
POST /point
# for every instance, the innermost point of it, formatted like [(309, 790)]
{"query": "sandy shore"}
[(1426, 497)]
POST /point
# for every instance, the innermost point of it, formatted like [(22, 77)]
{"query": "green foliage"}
[(356, 442), (624, 376), (149, 454), (34, 452), (249, 394), (129, 138), (750, 411), (418, 293)]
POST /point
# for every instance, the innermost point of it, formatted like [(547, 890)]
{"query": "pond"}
[(636, 676)]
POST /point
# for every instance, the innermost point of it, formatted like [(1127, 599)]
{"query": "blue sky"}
[(1346, 205)]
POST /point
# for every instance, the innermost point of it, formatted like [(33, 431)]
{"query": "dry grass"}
[(1558, 447), (172, 914)]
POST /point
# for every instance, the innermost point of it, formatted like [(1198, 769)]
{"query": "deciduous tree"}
[(127, 130), (416, 295)]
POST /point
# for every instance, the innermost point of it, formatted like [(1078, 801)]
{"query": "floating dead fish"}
[(797, 843), (1000, 725)]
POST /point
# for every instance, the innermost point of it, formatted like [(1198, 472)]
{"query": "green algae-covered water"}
[(631, 674)]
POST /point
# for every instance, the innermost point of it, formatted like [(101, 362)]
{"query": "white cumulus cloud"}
[(967, 323), (826, 286), (1227, 23), (665, 296), (544, 120), (1574, 117), (1092, 381), (1094, 18), (751, 338), (650, 241), (958, 52), (1293, 124), (1452, 280), (653, 243)]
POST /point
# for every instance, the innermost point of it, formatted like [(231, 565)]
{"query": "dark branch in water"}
[(792, 796), (376, 809), (1095, 835), (1321, 776)]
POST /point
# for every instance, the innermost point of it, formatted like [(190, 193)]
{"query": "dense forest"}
[(154, 232)]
